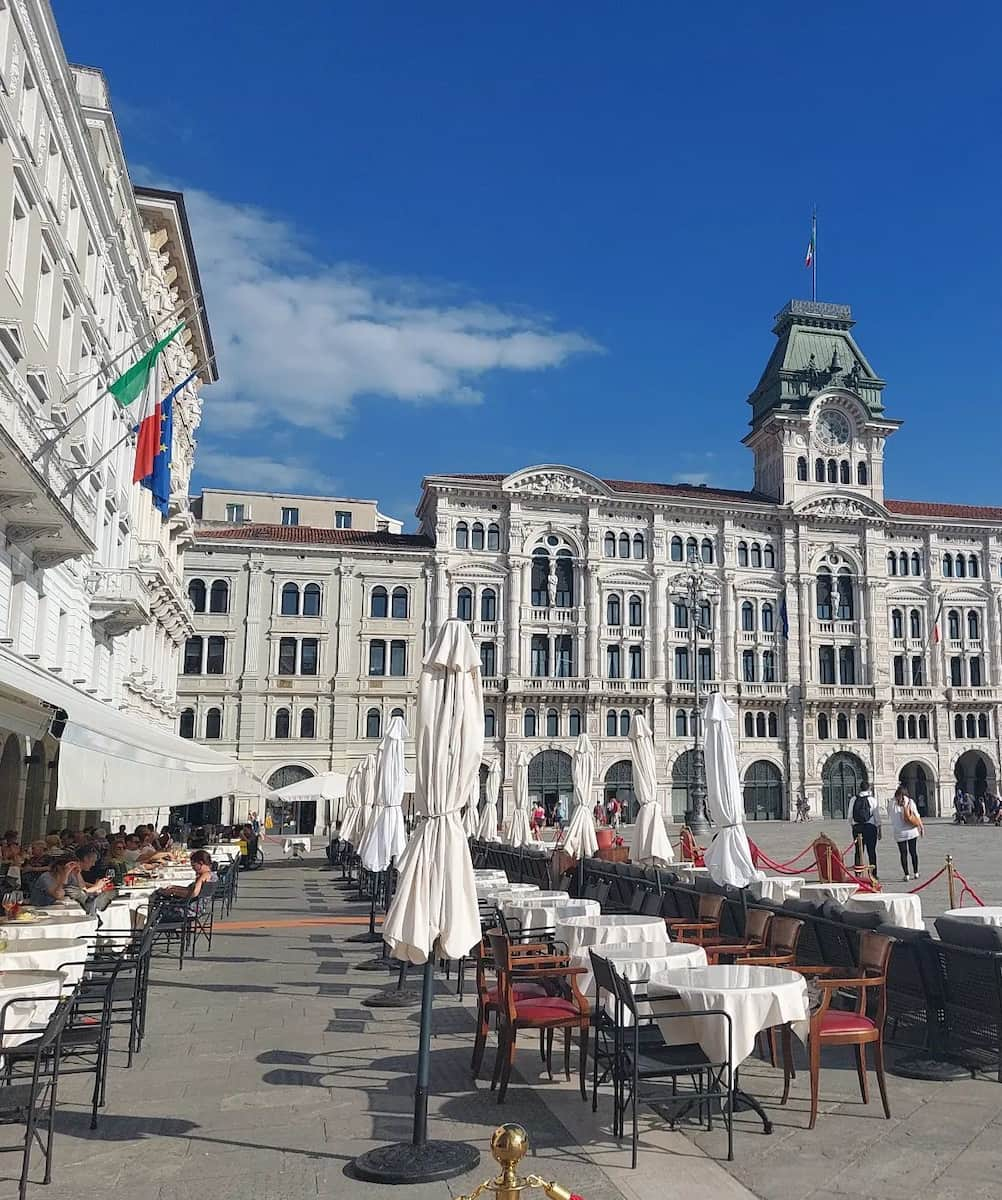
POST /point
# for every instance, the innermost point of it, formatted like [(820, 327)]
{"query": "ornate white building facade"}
[(857, 637), (91, 272)]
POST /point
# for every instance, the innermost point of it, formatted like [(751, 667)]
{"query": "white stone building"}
[(858, 637), (91, 272)]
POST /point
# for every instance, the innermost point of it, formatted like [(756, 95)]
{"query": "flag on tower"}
[(133, 383), (809, 256), (936, 635)]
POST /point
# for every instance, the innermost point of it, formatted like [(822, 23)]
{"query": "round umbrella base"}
[(405, 1163), (365, 937), (374, 964), (923, 1066), (395, 998)]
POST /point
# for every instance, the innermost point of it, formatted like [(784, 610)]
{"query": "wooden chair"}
[(757, 924), (832, 867), (780, 949), (690, 849), (568, 1011), (706, 924), (487, 995), (836, 1027)]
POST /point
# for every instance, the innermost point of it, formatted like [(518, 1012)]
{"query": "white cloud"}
[(257, 473), (693, 477), (300, 341)]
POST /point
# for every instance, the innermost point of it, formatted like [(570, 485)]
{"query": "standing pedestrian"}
[(907, 827), (866, 825)]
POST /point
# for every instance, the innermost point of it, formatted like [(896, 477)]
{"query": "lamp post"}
[(693, 589)]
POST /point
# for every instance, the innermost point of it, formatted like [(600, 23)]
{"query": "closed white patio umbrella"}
[(651, 843), (367, 793), (520, 830), (729, 855), (487, 826), (385, 837), (580, 840), (471, 814), (351, 825)]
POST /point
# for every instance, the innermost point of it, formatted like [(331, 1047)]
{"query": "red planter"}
[(605, 837)]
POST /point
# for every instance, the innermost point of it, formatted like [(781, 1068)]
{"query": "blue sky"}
[(454, 237)]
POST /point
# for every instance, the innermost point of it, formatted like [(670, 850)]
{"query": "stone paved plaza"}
[(264, 1075)]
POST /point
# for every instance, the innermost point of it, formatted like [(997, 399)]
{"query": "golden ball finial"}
[(509, 1144)]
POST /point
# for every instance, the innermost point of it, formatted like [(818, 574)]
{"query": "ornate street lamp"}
[(694, 589)]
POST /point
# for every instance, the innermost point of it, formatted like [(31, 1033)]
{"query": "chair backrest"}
[(784, 934), (637, 900), (757, 924), (605, 979), (832, 867), (874, 952), (652, 905), (710, 907)]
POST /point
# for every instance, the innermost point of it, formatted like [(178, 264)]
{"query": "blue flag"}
[(158, 481), (784, 619)]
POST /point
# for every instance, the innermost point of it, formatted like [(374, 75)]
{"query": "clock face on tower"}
[(832, 430)]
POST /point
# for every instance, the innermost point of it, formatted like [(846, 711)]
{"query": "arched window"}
[(219, 596), (193, 657), (565, 579), (843, 472), (773, 725), (973, 625), (373, 723), (290, 600), (899, 727), (213, 724), (915, 623), (760, 725), (897, 624), (756, 554), (282, 723), (748, 616), (832, 471), (953, 625), (912, 727), (681, 723), (610, 723), (742, 554), (574, 723), (311, 600), (960, 566), (400, 604), (767, 618), (842, 726), (379, 604), (972, 567), (638, 545), (308, 723), (613, 611), (802, 469), (923, 726), (186, 723), (610, 545), (196, 595), (488, 605), (488, 660), (490, 723), (916, 564), (982, 725), (691, 549), (477, 536), (624, 545), (861, 476), (822, 727), (958, 726), (552, 723), (819, 470), (462, 536), (539, 578), (624, 724), (464, 604), (846, 603), (769, 556), (948, 565), (749, 725), (636, 611), (529, 723), (768, 666), (972, 726), (902, 563), (493, 537), (676, 549), (706, 550), (861, 727), (892, 563), (397, 712)]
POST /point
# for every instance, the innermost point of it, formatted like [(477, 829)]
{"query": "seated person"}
[(50, 887), (115, 861), (91, 872), (179, 898)]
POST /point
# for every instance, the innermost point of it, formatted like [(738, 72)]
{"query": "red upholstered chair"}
[(832, 867), (487, 992), (567, 1011), (858, 1028), (691, 850)]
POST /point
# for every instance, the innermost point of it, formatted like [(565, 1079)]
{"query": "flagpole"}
[(814, 256)]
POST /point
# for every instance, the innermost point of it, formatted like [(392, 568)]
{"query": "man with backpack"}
[(865, 825)]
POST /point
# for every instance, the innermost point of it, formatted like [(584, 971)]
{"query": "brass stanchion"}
[(509, 1145), (951, 885)]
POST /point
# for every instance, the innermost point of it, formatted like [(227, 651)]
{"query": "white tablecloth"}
[(990, 914), (116, 919), (895, 908), (755, 998), (839, 892), (639, 962), (485, 874), (584, 933), (225, 852), (296, 845), (59, 925), (30, 1015), (506, 891), (688, 871), (775, 888), (544, 913), (46, 954)]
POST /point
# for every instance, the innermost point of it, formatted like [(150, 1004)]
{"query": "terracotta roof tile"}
[(927, 508), (308, 535)]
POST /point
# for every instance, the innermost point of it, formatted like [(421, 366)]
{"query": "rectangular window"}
[(614, 662), (563, 654), (66, 324), (193, 656), (681, 616), (342, 520), (17, 252), (748, 666), (215, 656), (309, 656), (377, 658), (918, 672), (899, 670), (956, 672), (290, 516), (235, 514), (705, 658), (682, 664), (488, 663), (975, 672), (826, 664), (287, 656), (73, 227), (398, 658), (539, 667), (768, 667), (43, 298), (847, 664), (29, 109), (636, 662)]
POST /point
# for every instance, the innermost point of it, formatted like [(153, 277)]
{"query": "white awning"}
[(109, 759)]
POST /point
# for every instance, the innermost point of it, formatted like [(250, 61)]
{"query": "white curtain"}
[(487, 826), (520, 830), (651, 843), (579, 839), (385, 836), (436, 899), (351, 824), (729, 855)]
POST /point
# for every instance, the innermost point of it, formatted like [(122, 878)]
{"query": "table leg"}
[(743, 1101)]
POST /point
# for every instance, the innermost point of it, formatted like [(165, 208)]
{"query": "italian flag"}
[(809, 256), (133, 383), (936, 635)]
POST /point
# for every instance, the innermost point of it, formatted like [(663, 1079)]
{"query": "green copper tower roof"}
[(815, 351)]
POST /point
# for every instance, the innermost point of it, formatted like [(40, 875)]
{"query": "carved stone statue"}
[(551, 587)]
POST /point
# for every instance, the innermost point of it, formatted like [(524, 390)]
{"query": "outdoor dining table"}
[(639, 962), (55, 925), (26, 1018), (839, 892), (46, 954), (775, 888), (894, 908), (755, 998), (546, 909), (506, 891), (987, 914), (689, 870), (588, 932), (224, 851), (295, 845)]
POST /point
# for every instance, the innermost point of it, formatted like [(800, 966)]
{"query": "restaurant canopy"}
[(109, 759)]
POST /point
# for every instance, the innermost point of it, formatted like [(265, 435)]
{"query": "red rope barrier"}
[(967, 890), (931, 879)]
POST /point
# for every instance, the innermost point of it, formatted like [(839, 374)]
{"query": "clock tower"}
[(818, 421)]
